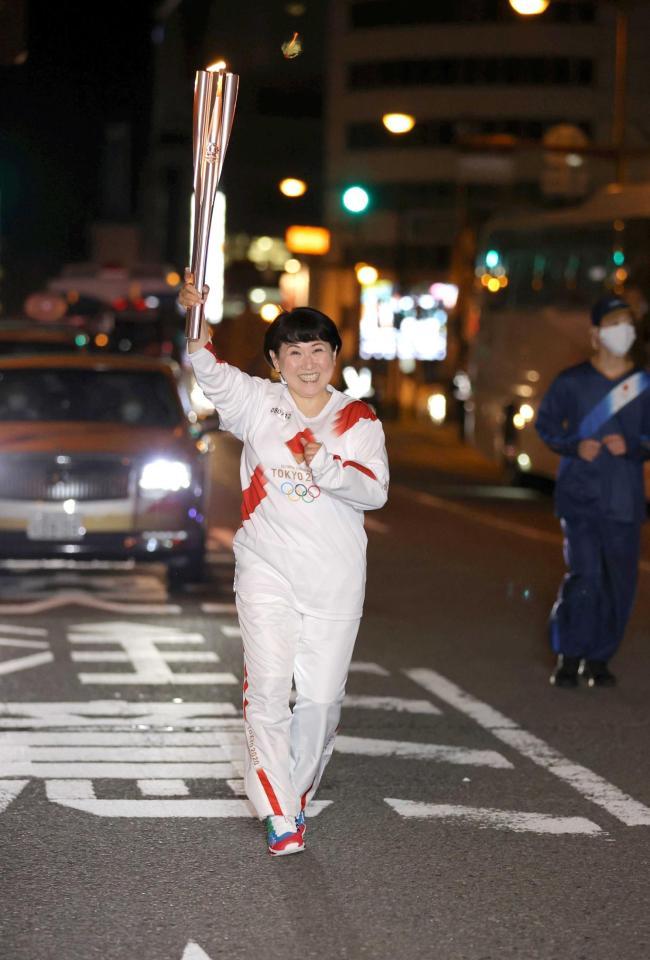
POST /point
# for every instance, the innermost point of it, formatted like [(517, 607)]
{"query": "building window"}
[(472, 71), (444, 133), (366, 15)]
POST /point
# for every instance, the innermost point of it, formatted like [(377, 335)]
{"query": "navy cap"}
[(607, 305)]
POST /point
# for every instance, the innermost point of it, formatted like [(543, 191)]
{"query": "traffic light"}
[(355, 199)]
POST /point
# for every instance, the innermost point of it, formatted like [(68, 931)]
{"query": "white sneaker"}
[(282, 836)]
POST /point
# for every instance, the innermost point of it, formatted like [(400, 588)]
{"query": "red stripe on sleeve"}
[(351, 414), (360, 467), (209, 346)]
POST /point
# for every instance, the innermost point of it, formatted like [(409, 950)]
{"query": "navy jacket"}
[(609, 486)]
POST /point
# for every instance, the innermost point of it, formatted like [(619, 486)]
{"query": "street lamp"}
[(366, 274), (398, 122), (292, 187), (529, 8)]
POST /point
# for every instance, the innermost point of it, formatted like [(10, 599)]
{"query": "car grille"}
[(36, 478)]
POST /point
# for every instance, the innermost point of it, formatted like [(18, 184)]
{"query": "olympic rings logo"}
[(298, 491)]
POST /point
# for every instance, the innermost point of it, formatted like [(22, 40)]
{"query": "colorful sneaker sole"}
[(293, 843)]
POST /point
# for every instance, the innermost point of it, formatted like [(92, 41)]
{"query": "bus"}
[(538, 276)]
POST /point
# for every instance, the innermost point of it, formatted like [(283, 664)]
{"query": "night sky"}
[(88, 64)]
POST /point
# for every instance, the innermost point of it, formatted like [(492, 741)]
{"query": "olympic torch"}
[(215, 98)]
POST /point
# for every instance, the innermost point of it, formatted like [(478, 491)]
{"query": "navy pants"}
[(595, 600)]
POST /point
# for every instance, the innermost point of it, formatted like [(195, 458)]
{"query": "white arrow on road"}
[(26, 661), (194, 952), (515, 820)]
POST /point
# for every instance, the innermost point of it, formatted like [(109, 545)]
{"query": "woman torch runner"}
[(313, 461)]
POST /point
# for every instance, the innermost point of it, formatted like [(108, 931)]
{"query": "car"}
[(25, 337), (99, 459)]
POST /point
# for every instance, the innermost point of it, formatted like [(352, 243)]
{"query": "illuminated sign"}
[(308, 240)]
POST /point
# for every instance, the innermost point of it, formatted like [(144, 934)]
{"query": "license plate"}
[(55, 526)]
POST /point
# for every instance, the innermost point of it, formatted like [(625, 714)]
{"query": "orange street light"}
[(529, 8), (366, 274), (292, 187), (398, 122)]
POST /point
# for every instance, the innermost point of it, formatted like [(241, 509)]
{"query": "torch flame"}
[(217, 66)]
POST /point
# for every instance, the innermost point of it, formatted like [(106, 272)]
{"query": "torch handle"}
[(194, 322)]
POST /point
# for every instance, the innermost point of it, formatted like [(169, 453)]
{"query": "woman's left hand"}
[(310, 449)]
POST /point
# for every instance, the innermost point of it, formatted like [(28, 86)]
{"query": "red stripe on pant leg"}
[(303, 799), (270, 793)]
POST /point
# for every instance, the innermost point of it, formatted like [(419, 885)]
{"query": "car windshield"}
[(142, 398)]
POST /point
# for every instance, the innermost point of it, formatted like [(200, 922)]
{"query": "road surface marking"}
[(82, 599), (229, 631), (589, 784), (404, 749), (163, 788), (390, 704), (194, 952), (29, 644), (9, 790), (23, 631), (139, 644), (515, 820), (497, 523), (25, 663), (357, 666), (229, 608), (111, 714)]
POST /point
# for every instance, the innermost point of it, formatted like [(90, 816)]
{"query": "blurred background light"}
[(292, 187), (398, 122)]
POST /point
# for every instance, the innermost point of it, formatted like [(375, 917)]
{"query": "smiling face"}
[(306, 367)]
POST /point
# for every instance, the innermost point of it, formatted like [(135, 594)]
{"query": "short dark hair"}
[(301, 325)]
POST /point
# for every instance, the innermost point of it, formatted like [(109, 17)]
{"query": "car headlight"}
[(168, 475)]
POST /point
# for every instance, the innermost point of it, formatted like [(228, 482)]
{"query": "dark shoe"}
[(598, 675), (566, 672)]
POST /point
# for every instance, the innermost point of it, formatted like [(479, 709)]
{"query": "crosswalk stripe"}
[(515, 820)]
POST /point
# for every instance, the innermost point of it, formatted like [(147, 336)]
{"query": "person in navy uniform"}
[(596, 415)]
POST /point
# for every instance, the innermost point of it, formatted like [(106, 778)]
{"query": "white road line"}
[(194, 952), (163, 788), (229, 631), (397, 704), (229, 608), (589, 784), (120, 771), (32, 644), (25, 663), (9, 790), (109, 714), (24, 631), (16, 753), (405, 750), (477, 516), (357, 666), (135, 738), (159, 679), (82, 599), (192, 807), (515, 820)]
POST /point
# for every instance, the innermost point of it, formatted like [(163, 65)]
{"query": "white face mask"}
[(618, 339)]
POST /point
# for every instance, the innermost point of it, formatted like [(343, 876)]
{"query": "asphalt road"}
[(470, 812)]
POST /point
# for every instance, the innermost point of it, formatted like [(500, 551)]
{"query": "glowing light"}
[(406, 303), (269, 312), (485, 279), (366, 274), (618, 257), (355, 199), (292, 48), (173, 279), (493, 284), (257, 295), (503, 281), (69, 506), (491, 259), (172, 475), (152, 302), (292, 187), (527, 412), (81, 340), (426, 301), (437, 407), (217, 66), (314, 241), (524, 462), (358, 383), (398, 122), (519, 421), (101, 340), (621, 275), (293, 266), (529, 8), (573, 160), (264, 243), (445, 293)]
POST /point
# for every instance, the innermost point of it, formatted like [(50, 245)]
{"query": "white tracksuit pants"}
[(288, 752)]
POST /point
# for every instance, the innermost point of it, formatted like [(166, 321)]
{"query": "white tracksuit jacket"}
[(300, 572), (302, 538)]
